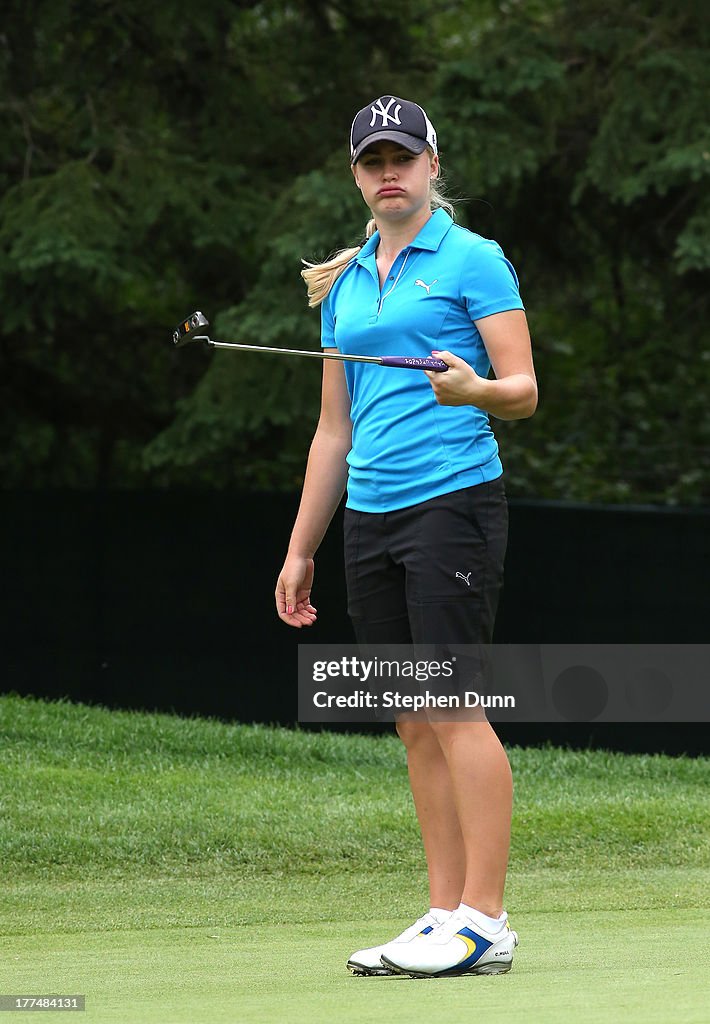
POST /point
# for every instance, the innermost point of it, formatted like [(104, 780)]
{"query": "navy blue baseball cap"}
[(395, 120)]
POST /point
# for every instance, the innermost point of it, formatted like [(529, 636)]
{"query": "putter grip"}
[(415, 363)]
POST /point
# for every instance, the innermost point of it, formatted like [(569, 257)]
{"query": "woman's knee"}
[(415, 732)]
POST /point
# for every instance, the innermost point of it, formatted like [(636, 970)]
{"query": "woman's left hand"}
[(459, 385)]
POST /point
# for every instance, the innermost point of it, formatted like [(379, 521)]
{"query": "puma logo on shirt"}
[(427, 287)]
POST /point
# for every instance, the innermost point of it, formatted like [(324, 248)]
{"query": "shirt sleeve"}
[(327, 324), (489, 283)]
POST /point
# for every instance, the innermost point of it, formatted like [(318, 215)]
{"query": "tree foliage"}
[(161, 159)]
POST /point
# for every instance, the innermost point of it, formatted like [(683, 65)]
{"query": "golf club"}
[(184, 333)]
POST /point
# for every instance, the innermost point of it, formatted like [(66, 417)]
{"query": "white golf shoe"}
[(369, 961), (456, 947)]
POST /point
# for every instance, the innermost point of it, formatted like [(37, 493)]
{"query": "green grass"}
[(187, 870)]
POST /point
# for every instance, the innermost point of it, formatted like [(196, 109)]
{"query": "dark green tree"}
[(592, 139), (160, 160), (577, 136), (146, 148)]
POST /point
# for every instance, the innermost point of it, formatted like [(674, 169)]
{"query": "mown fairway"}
[(184, 870)]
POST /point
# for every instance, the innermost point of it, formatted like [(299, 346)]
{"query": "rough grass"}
[(86, 790)]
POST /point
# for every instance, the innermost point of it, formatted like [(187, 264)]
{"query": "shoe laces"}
[(453, 924), (426, 921), (459, 919)]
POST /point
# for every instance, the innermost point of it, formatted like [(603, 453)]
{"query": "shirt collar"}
[(430, 236)]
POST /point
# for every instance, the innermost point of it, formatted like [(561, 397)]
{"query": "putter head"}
[(187, 329)]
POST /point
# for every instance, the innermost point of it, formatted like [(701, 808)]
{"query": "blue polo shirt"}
[(407, 448)]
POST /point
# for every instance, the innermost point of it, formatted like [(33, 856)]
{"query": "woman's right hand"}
[(293, 592)]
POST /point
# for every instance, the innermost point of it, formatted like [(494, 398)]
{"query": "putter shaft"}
[(183, 334), (291, 351), (404, 362)]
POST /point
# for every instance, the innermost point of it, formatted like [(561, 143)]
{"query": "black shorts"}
[(430, 573)]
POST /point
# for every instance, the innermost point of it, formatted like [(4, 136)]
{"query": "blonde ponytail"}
[(320, 277)]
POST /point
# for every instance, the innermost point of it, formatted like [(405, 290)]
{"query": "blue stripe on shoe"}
[(476, 946)]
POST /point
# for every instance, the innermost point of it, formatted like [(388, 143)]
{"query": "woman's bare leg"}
[(437, 813), (482, 789), (463, 793)]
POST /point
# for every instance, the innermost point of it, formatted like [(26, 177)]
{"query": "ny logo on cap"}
[(383, 112)]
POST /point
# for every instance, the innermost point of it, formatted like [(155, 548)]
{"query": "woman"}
[(426, 513)]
